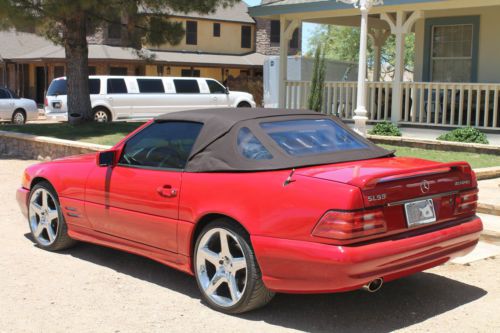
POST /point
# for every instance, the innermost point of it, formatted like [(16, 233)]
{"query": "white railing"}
[(340, 98), (425, 103), (451, 104)]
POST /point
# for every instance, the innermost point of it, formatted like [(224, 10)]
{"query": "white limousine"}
[(143, 97)]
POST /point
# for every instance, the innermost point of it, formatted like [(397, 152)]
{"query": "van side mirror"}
[(106, 158)]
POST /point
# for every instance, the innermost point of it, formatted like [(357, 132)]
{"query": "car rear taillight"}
[(350, 225), (46, 102), (466, 202)]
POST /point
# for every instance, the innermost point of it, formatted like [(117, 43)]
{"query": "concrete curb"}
[(487, 173), (488, 209)]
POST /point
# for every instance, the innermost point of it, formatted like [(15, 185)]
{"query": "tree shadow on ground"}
[(397, 305)]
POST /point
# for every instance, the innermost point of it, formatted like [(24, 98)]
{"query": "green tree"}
[(342, 43), (315, 101), (69, 22)]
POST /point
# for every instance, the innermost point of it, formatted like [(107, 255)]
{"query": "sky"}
[(307, 28)]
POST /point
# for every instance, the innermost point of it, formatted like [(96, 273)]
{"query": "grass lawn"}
[(104, 134), (476, 160)]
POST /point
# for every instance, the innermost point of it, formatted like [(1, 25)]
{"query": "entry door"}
[(138, 199), (41, 84)]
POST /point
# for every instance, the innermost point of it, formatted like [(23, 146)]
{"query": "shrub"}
[(386, 129), (315, 101), (465, 134)]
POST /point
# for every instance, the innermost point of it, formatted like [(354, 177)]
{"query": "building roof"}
[(14, 44), (106, 52), (236, 13)]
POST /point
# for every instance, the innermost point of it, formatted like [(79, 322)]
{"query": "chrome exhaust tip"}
[(374, 285)]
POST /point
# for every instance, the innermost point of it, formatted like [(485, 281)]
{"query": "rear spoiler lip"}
[(370, 181)]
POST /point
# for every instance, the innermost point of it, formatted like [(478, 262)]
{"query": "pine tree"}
[(315, 101), (69, 22)]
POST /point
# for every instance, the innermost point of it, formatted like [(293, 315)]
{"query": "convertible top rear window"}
[(311, 136)]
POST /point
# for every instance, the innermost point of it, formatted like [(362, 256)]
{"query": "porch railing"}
[(429, 104), (451, 104)]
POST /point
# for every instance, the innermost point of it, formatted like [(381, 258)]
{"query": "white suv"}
[(142, 97)]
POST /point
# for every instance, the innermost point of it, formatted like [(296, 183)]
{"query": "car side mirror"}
[(226, 90), (106, 158)]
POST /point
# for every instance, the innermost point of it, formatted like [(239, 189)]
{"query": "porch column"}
[(287, 28), (400, 24), (378, 37)]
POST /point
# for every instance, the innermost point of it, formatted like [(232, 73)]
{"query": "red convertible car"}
[(254, 201)]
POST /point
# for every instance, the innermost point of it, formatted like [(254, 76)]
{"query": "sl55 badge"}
[(378, 197)]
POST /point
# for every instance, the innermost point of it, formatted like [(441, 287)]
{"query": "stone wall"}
[(28, 146), (263, 39)]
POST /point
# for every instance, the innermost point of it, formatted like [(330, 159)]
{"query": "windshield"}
[(311, 136)]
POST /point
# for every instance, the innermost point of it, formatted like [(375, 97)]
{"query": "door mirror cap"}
[(106, 158), (226, 90)]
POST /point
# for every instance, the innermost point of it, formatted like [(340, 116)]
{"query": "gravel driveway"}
[(95, 289)]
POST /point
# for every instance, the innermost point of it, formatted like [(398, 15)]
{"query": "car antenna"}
[(289, 179)]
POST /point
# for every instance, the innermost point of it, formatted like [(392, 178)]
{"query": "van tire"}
[(101, 115)]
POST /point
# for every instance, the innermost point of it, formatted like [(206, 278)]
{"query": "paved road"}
[(94, 289)]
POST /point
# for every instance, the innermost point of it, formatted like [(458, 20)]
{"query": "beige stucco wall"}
[(229, 41), (212, 72), (489, 41)]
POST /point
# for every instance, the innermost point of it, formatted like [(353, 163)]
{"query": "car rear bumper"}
[(22, 195), (306, 267), (57, 116)]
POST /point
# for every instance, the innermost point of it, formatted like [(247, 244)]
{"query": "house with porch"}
[(457, 68)]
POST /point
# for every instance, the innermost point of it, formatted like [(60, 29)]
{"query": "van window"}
[(94, 86), (215, 87), (186, 86), (150, 86), (60, 87), (57, 87), (117, 86)]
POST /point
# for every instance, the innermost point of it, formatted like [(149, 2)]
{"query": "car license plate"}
[(420, 212)]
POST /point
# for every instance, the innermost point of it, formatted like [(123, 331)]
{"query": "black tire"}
[(98, 111), (244, 105), (62, 240), (19, 117), (255, 294)]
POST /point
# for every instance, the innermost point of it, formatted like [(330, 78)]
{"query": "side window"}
[(94, 86), (162, 145), (4, 94), (215, 87), (186, 86), (117, 86), (150, 86), (250, 147)]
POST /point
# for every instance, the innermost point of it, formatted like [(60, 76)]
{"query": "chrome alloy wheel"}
[(101, 116), (43, 216), (221, 267), (18, 118)]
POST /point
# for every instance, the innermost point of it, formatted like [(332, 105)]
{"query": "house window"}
[(191, 32), (114, 30), (216, 29), (275, 32), (118, 71), (246, 37), (294, 42), (190, 72), (451, 56)]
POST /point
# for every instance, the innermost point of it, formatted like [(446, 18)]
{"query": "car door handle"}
[(110, 98), (167, 191)]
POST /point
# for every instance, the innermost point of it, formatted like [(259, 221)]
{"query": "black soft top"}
[(215, 148)]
